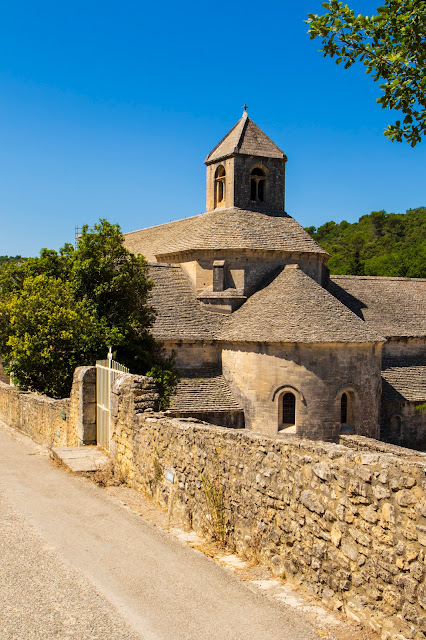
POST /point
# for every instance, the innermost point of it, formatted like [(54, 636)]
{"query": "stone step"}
[(81, 459)]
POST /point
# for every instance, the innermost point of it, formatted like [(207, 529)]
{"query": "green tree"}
[(66, 308), (116, 282), (50, 333), (392, 46), (8, 259)]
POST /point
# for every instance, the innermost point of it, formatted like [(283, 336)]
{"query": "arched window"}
[(257, 185), (396, 429), (289, 409), (219, 186), (344, 409), (348, 413)]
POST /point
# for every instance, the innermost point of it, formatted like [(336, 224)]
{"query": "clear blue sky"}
[(108, 109)]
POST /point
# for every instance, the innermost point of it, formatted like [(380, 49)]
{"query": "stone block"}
[(312, 502), (405, 498), (322, 470)]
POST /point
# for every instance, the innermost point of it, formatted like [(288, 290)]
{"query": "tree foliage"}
[(379, 244), (8, 259), (50, 333), (64, 309), (392, 46)]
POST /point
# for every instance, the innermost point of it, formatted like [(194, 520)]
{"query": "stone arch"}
[(220, 186), (347, 408), (288, 400), (258, 183)]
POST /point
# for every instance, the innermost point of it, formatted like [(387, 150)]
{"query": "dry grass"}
[(107, 476)]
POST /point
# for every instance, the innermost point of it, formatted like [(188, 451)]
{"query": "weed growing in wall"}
[(158, 469), (215, 504)]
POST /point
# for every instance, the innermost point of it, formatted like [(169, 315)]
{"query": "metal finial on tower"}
[(245, 108)]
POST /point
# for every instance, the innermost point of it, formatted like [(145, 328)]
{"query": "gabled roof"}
[(294, 308), (201, 390), (231, 229), (180, 316), (245, 138), (391, 306), (404, 379)]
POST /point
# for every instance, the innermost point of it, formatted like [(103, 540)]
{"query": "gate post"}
[(82, 413)]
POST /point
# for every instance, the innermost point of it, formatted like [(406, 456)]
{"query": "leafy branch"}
[(392, 46)]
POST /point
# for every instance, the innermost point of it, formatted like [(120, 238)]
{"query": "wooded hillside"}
[(379, 244), (8, 259)]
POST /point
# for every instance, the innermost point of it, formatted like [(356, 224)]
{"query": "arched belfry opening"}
[(257, 185), (220, 186)]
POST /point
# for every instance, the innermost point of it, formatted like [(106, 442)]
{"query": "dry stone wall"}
[(346, 522), (68, 422), (44, 419)]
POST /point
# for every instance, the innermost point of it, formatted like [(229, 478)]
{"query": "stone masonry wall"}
[(318, 374), (348, 524), (66, 422), (44, 419)]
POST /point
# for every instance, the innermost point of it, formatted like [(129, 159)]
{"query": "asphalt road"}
[(75, 564)]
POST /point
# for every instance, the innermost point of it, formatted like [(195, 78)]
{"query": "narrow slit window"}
[(289, 409), (344, 409)]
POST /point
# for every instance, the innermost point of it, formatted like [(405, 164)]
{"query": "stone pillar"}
[(82, 418)]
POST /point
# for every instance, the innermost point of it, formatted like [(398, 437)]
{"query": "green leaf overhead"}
[(392, 46)]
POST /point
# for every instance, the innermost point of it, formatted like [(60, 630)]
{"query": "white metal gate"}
[(106, 373)]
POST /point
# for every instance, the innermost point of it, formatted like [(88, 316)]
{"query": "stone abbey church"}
[(264, 337)]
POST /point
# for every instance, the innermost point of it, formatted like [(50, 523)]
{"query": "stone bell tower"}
[(246, 170)]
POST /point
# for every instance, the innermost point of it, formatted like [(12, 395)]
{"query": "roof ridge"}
[(245, 138), (398, 278), (226, 136), (221, 230), (310, 314), (162, 224), (243, 130)]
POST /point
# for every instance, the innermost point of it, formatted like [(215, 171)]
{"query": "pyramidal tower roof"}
[(245, 138)]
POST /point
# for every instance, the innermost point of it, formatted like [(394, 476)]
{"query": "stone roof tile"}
[(246, 138), (222, 229), (404, 379), (148, 242), (391, 306), (180, 316), (203, 390), (294, 308)]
